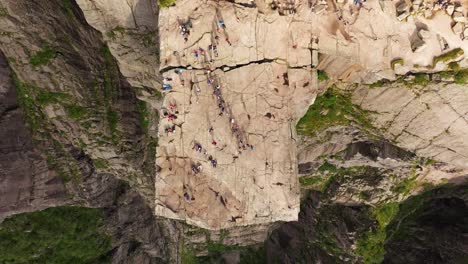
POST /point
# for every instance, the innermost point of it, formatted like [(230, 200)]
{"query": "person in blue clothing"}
[(221, 24), (166, 87)]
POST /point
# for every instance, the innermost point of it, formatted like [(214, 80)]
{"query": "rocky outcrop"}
[(130, 29), (233, 147), (429, 120)]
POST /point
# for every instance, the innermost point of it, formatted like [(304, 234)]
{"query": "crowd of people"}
[(206, 56)]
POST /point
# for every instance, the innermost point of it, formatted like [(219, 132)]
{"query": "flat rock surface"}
[(354, 45), (252, 141), (260, 58)]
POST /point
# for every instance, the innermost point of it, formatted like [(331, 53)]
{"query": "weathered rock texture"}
[(130, 29), (252, 109), (77, 137), (86, 102), (431, 120), (248, 186), (26, 182)]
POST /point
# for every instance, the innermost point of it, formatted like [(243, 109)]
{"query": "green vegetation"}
[(44, 97), (327, 174), (110, 84), (144, 115), (113, 33), (188, 256), (75, 111), (248, 254), (448, 56), (26, 101), (3, 11), (454, 66), (421, 79), (446, 74), (429, 162), (322, 76), (312, 181), (371, 245), (331, 109), (409, 183), (461, 77), (398, 61), (31, 99), (149, 39), (378, 84), (327, 167), (101, 163), (43, 56), (409, 210), (166, 3), (405, 186), (112, 120), (320, 182), (55, 235), (67, 5)]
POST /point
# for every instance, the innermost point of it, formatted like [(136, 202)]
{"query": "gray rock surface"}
[(26, 182), (432, 120)]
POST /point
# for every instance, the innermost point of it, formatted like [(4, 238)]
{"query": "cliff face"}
[(364, 174), (26, 182), (73, 130)]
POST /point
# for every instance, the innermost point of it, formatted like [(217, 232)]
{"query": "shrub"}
[(43, 56)]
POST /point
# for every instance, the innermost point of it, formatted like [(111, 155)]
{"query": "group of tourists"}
[(207, 56)]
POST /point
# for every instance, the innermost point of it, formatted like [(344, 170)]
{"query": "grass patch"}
[(76, 112), (26, 100), (111, 85), (327, 167), (188, 256), (67, 5), (144, 115), (331, 109), (322, 76), (307, 181), (113, 33), (371, 245), (454, 66), (448, 56), (446, 75), (398, 61), (461, 77), (55, 235), (112, 121), (44, 97), (43, 56), (166, 3), (421, 79), (429, 162), (377, 84), (405, 186), (320, 182), (100, 163)]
